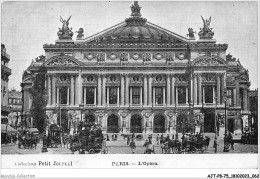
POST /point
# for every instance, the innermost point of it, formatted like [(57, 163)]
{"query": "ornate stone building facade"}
[(139, 77), (5, 73)]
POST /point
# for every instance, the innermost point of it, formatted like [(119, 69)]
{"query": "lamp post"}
[(225, 138), (44, 139), (6, 125), (81, 106), (216, 117)]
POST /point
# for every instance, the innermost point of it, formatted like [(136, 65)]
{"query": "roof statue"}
[(80, 33), (206, 32), (191, 33), (65, 32), (136, 18), (136, 9)]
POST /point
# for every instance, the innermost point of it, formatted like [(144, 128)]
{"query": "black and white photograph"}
[(146, 84)]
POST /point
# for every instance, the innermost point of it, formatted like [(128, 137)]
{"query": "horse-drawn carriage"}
[(54, 133), (189, 144), (89, 139)]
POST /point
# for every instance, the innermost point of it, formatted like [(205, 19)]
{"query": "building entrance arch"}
[(182, 123), (136, 124), (90, 118), (159, 124), (112, 124)]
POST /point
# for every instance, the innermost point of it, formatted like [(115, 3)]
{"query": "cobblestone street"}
[(120, 147)]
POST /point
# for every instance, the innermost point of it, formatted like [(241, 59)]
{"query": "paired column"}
[(72, 90), (195, 84), (163, 95), (173, 90), (176, 95), (168, 101), (145, 90), (199, 89), (150, 90), (68, 96), (245, 99), (80, 88), (218, 89), (127, 90), (187, 95), (58, 95), (76, 90), (237, 93), (104, 91), (99, 90), (107, 96), (84, 94), (234, 97), (53, 90), (122, 90), (117, 102), (141, 95), (49, 90), (223, 87)]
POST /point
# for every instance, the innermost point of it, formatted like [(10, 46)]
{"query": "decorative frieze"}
[(208, 77)]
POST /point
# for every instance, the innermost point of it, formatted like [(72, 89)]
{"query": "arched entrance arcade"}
[(182, 123), (113, 124), (136, 123), (159, 124)]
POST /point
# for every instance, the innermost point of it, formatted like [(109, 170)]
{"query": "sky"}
[(26, 26)]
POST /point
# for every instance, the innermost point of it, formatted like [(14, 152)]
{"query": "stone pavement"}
[(120, 147)]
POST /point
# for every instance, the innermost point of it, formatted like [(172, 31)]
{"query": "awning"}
[(9, 129)]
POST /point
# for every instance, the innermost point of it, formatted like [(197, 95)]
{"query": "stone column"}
[(168, 90), (80, 88), (141, 95), (68, 96), (150, 90), (127, 90), (223, 87), (49, 90), (173, 90), (72, 90), (164, 95), (131, 91), (218, 89), (176, 95), (104, 91), (76, 90), (117, 98), (58, 95), (245, 99), (234, 97), (195, 84), (199, 90), (99, 90), (154, 103), (237, 93), (145, 90), (122, 90), (53, 91), (187, 95), (107, 97), (203, 88), (85, 95)]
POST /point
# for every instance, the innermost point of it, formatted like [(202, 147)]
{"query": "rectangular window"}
[(209, 94), (136, 95), (90, 95), (63, 90), (182, 95), (112, 95), (158, 95), (10, 101)]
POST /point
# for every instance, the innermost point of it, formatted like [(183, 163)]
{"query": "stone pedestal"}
[(221, 131), (171, 131), (124, 130)]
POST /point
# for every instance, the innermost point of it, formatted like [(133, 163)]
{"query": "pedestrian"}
[(132, 146), (207, 140), (231, 143), (157, 140), (150, 138), (215, 146), (112, 137), (145, 145), (133, 135), (172, 136), (128, 140)]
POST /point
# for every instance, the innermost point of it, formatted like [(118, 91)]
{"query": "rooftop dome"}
[(137, 29)]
